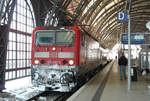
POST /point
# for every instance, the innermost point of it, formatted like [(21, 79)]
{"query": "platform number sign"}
[(122, 17)]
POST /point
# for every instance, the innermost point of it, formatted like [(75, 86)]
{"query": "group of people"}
[(122, 63)]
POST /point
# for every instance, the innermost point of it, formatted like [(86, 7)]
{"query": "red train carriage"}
[(59, 55)]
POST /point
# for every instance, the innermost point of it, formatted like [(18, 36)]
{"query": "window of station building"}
[(19, 46)]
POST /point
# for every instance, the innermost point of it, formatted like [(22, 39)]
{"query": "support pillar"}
[(4, 31), (3, 51)]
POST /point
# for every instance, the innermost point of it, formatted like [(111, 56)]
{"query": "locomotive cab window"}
[(44, 38), (64, 37), (57, 37)]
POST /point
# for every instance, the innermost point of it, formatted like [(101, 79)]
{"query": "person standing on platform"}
[(122, 63)]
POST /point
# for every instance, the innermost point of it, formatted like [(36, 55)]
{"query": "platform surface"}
[(117, 90)]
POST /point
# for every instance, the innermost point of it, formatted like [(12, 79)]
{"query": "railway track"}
[(26, 93), (33, 94), (63, 97)]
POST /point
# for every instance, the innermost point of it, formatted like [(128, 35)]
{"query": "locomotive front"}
[(55, 58)]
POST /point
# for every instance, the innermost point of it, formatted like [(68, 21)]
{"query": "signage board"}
[(122, 17), (135, 39)]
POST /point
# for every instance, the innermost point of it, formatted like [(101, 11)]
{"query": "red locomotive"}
[(59, 56)]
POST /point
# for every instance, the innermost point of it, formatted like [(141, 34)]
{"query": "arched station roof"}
[(97, 17)]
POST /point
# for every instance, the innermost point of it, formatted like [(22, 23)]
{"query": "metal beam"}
[(107, 18), (34, 24), (1, 9), (66, 4), (108, 30), (90, 10), (78, 10), (110, 11), (98, 11)]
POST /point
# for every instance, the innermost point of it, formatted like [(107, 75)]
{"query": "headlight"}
[(71, 62), (36, 61), (53, 48)]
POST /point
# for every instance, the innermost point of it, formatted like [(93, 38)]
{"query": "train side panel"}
[(89, 57)]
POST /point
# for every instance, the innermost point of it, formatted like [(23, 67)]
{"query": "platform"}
[(114, 89), (117, 90)]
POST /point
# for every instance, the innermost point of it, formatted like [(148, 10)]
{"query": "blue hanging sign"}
[(135, 39)]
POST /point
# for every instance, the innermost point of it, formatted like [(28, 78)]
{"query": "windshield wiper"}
[(38, 44)]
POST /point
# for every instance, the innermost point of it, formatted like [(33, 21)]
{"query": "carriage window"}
[(83, 40), (44, 38)]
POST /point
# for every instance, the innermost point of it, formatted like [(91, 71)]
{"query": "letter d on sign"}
[(122, 17)]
